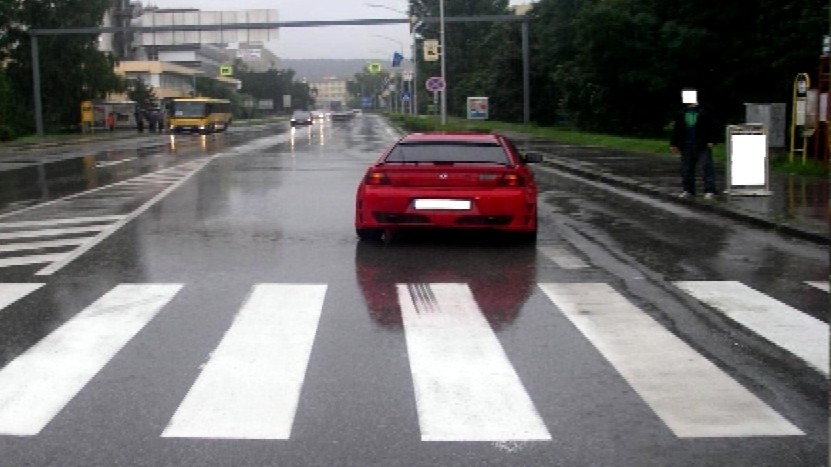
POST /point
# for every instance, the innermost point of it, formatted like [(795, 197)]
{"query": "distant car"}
[(301, 117), (341, 115), (357, 111), (450, 181), (318, 114)]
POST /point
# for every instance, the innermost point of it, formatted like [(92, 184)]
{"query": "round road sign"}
[(434, 83)]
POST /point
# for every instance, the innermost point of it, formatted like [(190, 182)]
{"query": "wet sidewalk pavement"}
[(797, 205)]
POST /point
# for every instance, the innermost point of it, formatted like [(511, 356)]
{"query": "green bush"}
[(7, 133)]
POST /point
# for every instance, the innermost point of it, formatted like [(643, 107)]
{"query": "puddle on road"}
[(35, 183)]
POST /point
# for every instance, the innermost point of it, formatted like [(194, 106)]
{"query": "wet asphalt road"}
[(216, 218)]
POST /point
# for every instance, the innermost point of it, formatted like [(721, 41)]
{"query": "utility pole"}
[(442, 49)]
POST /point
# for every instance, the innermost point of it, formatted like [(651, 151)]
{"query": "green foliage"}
[(617, 66), (71, 67), (141, 93), (796, 166), (366, 84), (274, 84)]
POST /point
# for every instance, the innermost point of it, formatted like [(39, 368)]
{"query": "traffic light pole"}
[(414, 91), (442, 49), (35, 33)]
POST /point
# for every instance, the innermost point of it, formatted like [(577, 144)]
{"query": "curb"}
[(717, 208)]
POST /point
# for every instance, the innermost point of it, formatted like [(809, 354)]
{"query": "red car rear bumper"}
[(505, 209)]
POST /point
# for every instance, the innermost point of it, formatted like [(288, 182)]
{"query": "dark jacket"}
[(704, 132)]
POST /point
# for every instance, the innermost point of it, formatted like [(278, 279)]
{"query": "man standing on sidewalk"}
[(693, 135)]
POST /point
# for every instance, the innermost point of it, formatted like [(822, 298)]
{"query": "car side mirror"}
[(532, 157)]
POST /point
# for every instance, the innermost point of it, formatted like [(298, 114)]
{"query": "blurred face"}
[(689, 96)]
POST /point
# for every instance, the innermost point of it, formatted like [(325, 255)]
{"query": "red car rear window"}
[(452, 152)]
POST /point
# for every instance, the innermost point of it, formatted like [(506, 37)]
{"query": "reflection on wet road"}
[(222, 311)]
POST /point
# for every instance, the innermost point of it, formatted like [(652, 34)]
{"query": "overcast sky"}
[(323, 42)]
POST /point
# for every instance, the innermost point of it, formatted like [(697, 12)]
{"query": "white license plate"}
[(449, 204)]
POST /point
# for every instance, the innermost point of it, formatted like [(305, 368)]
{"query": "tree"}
[(482, 58), (71, 66), (367, 85), (141, 93), (274, 84)]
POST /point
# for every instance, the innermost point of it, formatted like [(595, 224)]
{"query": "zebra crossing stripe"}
[(562, 257), (109, 230), (52, 222), (819, 285), (800, 334), (10, 293), (41, 244), (51, 232), (31, 259), (465, 387), (36, 385), (250, 387), (692, 396)]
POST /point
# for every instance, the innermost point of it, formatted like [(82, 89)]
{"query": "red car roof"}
[(450, 136)]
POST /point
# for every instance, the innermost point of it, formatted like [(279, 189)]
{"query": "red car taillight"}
[(376, 177), (512, 180)]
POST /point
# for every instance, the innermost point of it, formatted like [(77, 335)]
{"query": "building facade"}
[(330, 93), (170, 60)]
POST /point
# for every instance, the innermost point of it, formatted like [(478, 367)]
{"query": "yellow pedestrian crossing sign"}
[(226, 70), (374, 68)]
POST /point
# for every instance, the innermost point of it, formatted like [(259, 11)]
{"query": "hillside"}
[(317, 69)]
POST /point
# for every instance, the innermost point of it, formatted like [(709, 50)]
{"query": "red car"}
[(449, 180)]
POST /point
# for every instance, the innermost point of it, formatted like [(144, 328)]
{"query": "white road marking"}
[(785, 326), (688, 392), (45, 244), (51, 222), (50, 232), (465, 387), (562, 257), (250, 387), (37, 385), (10, 293), (819, 285), (54, 267), (32, 259)]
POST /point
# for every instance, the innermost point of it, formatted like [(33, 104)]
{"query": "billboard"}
[(477, 108)]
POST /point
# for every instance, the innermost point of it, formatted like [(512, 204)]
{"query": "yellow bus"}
[(198, 115)]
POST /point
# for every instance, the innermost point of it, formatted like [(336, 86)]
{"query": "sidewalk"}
[(797, 206)]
